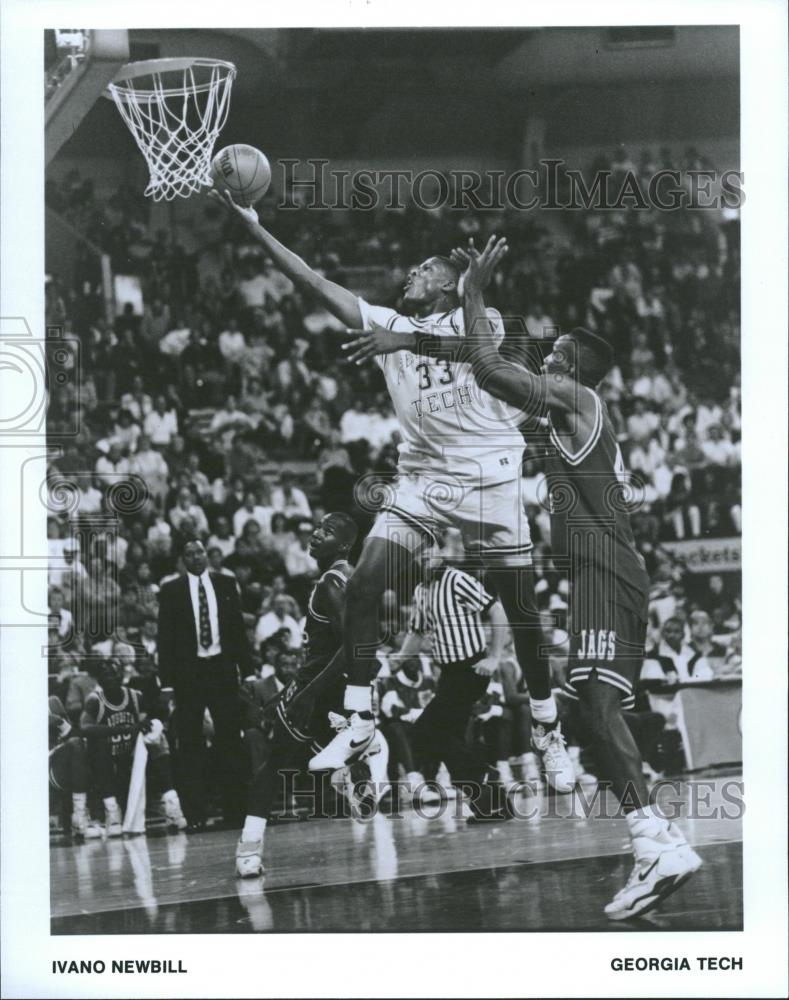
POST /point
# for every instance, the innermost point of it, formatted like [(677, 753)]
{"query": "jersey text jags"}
[(597, 644)]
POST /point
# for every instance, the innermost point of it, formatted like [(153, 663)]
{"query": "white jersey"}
[(448, 423)]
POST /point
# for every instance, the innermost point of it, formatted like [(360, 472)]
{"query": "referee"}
[(450, 606)]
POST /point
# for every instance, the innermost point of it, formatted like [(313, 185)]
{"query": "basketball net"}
[(175, 109)]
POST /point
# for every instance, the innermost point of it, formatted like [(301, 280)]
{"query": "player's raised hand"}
[(459, 256), (247, 214), (367, 344), (482, 265), (478, 267)]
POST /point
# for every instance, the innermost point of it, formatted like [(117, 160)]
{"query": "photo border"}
[(553, 964)]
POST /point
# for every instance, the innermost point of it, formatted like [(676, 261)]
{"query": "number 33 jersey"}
[(449, 425)]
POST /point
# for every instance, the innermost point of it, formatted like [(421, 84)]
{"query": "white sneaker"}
[(349, 743), (445, 782), (430, 794), (83, 827), (364, 782), (663, 864), (173, 811), (531, 769), (113, 822), (505, 772), (249, 863), (415, 786), (556, 763)]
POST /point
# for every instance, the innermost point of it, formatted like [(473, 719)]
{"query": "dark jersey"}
[(303, 707), (127, 713), (591, 536), (321, 642)]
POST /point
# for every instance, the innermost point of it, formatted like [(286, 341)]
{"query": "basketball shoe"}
[(364, 782), (114, 822), (530, 770), (173, 811), (664, 861), (444, 782), (83, 827), (249, 860), (490, 801), (351, 741), (414, 781), (505, 773), (549, 745)]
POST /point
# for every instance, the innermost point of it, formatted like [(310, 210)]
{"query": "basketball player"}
[(68, 770), (302, 724), (590, 530), (110, 722), (459, 465)]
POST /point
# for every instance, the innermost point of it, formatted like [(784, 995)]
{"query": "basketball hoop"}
[(175, 109)]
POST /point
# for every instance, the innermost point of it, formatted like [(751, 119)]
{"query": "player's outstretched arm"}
[(366, 345), (501, 378), (493, 373), (334, 297)]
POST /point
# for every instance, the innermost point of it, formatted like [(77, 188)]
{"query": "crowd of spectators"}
[(225, 393)]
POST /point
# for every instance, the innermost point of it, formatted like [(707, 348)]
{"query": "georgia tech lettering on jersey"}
[(434, 401), (597, 644), (447, 423)]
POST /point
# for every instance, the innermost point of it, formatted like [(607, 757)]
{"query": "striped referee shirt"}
[(450, 607)]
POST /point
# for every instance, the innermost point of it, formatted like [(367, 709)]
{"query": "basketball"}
[(243, 171)]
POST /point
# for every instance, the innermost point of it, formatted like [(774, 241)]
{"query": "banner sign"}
[(708, 555)]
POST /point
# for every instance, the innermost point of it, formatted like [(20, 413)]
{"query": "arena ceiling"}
[(513, 59), (342, 93)]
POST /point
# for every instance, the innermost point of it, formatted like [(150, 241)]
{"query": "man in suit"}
[(202, 648)]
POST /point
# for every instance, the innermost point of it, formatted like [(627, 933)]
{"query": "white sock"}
[(358, 698), (110, 803), (80, 801), (543, 710), (254, 828), (646, 822), (171, 796)]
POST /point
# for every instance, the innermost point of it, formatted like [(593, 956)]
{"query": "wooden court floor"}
[(554, 869)]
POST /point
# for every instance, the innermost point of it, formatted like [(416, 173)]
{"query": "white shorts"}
[(491, 519)]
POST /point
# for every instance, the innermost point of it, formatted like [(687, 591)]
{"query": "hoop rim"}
[(150, 67)]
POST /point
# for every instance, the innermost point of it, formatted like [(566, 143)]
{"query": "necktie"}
[(205, 621)]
